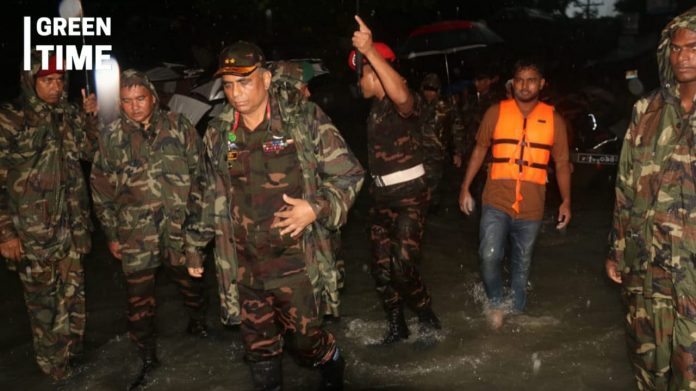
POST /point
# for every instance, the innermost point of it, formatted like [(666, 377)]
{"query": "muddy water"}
[(570, 338)]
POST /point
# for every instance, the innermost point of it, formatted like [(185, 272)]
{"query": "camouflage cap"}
[(300, 71), (431, 81), (240, 59)]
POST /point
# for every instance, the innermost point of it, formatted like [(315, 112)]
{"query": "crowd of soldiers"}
[(270, 184)]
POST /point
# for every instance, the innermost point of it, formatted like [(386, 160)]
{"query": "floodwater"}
[(570, 338)]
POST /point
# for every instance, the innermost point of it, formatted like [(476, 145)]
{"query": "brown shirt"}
[(500, 193)]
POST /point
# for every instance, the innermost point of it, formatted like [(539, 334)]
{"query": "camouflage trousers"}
[(396, 233), (142, 303), (661, 339), (433, 176), (54, 292), (287, 312)]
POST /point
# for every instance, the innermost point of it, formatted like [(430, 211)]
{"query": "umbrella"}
[(192, 108), (445, 38), (211, 90)]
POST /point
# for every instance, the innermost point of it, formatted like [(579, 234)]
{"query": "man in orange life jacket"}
[(523, 133)]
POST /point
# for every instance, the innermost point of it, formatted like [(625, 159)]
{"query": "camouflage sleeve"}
[(340, 172), (202, 205), (625, 191), (104, 182), (90, 138), (86, 130), (458, 132), (8, 119)]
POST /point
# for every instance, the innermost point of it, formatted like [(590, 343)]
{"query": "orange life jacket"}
[(522, 146)]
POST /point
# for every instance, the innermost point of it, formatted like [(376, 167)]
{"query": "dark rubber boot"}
[(197, 328), (267, 375), (150, 364), (428, 320), (332, 373), (397, 329)]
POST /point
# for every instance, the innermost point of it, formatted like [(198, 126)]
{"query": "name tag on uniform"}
[(275, 146)]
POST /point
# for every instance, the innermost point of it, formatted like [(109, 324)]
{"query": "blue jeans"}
[(496, 227)]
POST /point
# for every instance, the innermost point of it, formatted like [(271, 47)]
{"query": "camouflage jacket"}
[(331, 179), (395, 143), (141, 179), (467, 125), (43, 198), (436, 128), (656, 189)]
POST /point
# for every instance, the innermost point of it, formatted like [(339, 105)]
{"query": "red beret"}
[(52, 68), (382, 48)]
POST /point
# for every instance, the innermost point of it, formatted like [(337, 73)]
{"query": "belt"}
[(399, 176)]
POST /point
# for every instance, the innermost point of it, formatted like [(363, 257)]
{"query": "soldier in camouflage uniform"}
[(140, 181), (278, 177), (653, 240), (436, 118), (298, 74), (399, 188), (44, 209), (464, 133)]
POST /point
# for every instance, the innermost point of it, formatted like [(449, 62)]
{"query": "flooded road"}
[(570, 338)]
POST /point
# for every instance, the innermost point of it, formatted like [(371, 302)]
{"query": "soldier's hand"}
[(466, 201), (11, 249), (115, 249), (89, 103), (362, 39), (196, 272), (295, 218), (457, 160), (612, 268)]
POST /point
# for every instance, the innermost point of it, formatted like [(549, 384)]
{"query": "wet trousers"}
[(54, 293), (495, 229), (287, 312), (659, 335), (396, 233), (142, 303)]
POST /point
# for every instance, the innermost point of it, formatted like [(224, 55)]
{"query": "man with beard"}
[(523, 134), (653, 240), (44, 209)]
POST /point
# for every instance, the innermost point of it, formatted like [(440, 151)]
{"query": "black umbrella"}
[(444, 38)]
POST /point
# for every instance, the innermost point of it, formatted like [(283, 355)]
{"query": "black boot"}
[(396, 326), (332, 373), (150, 364), (197, 328), (428, 320), (267, 375)]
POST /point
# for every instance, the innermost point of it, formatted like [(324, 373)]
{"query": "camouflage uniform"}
[(296, 151), (464, 136), (140, 182), (44, 203), (297, 75), (653, 237), (397, 215), (436, 126)]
